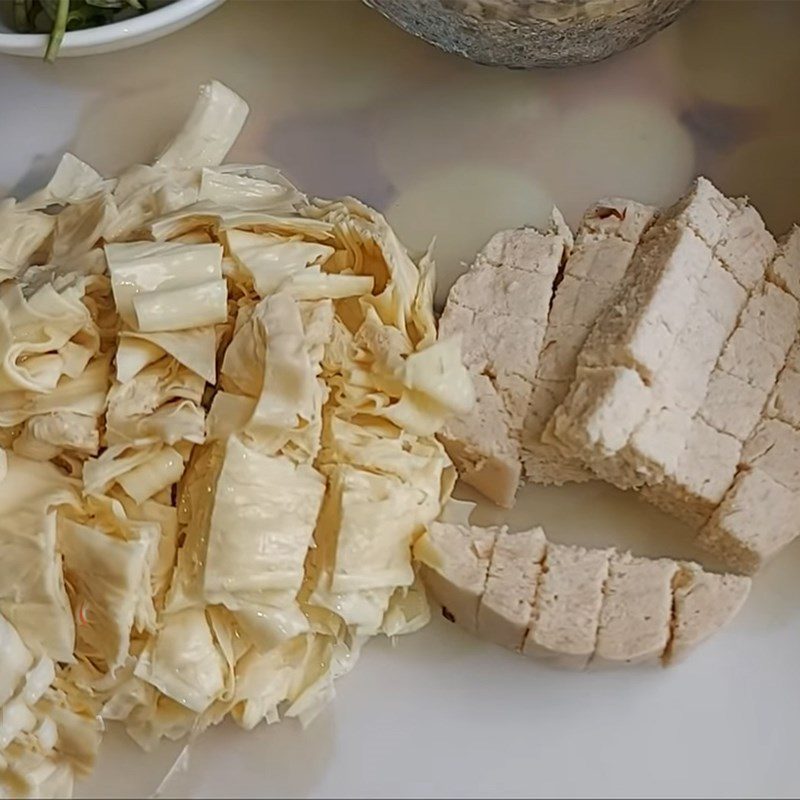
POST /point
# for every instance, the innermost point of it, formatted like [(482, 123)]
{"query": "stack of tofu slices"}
[(657, 351)]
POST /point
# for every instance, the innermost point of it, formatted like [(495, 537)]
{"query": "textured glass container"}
[(532, 33)]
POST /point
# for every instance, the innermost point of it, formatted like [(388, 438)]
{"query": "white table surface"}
[(344, 103)]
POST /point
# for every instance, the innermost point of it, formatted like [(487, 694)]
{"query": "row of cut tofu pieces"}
[(658, 351), (571, 604)]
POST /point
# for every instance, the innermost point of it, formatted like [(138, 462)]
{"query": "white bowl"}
[(115, 36)]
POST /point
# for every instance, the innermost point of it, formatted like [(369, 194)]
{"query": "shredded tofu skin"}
[(219, 402)]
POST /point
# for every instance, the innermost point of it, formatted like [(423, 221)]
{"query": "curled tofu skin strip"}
[(180, 309), (159, 473), (271, 259), (43, 337), (228, 188), (213, 126), (195, 348), (143, 268)]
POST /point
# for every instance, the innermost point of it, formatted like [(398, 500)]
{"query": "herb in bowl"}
[(56, 17)]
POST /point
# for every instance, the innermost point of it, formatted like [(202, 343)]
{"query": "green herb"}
[(56, 17), (59, 29)]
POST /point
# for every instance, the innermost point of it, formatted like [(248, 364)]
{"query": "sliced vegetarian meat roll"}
[(499, 308), (573, 605)]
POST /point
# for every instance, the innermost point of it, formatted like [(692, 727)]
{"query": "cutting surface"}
[(346, 104)]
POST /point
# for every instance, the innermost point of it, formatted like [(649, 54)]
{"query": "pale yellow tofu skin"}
[(566, 610), (571, 605), (505, 608), (499, 308), (636, 615)]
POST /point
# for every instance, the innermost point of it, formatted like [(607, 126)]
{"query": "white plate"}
[(116, 36), (345, 103)]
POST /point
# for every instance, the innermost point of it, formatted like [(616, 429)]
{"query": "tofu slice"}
[(599, 414), (758, 517), (455, 567), (570, 604), (566, 611), (784, 271), (636, 336), (784, 404), (604, 246), (636, 615), (677, 359), (703, 603), (705, 471), (500, 307), (760, 513), (753, 374), (746, 247), (483, 447), (505, 608), (678, 389), (639, 330), (774, 448)]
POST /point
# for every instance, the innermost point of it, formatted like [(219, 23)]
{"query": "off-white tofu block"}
[(705, 210), (687, 293), (666, 328), (500, 308), (773, 315), (703, 603), (684, 377), (566, 611), (653, 451), (639, 330), (750, 364), (569, 604), (667, 269), (732, 405), (705, 471), (636, 614), (784, 403), (746, 246), (774, 448), (615, 217), (757, 518), (599, 415), (751, 359), (738, 390), (793, 359), (678, 390), (680, 387), (785, 268), (455, 561), (604, 247), (505, 609), (483, 447)]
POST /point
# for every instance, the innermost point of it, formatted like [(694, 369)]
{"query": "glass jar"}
[(532, 33)]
